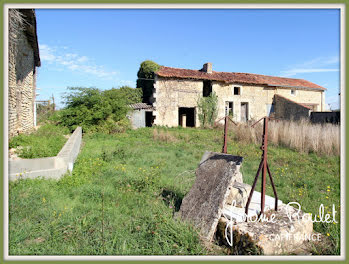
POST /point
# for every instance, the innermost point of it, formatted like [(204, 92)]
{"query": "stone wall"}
[(287, 109), (260, 99), (21, 86), (169, 94)]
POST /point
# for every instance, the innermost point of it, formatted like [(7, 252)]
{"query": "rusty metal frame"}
[(225, 139), (264, 166)]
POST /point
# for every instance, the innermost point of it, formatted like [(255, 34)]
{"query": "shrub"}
[(44, 111), (109, 126), (207, 110), (96, 110)]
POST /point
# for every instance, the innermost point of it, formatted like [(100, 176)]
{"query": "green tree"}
[(145, 81), (94, 109), (207, 110), (84, 107), (131, 95)]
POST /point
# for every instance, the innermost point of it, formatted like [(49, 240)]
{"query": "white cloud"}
[(46, 53), (320, 64), (74, 62), (294, 72), (82, 59)]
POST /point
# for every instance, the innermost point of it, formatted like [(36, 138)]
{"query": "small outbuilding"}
[(141, 115)]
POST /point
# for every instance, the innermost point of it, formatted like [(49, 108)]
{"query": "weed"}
[(47, 141)]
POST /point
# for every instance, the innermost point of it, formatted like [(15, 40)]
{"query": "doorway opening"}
[(149, 119), (244, 112), (186, 116)]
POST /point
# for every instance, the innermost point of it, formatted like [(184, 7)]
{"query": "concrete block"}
[(204, 203), (283, 236)]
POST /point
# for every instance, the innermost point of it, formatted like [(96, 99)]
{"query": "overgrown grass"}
[(303, 136), (47, 141), (125, 189)]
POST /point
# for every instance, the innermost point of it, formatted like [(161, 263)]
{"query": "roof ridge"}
[(238, 77), (238, 73)]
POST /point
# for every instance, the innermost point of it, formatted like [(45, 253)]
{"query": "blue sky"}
[(104, 48)]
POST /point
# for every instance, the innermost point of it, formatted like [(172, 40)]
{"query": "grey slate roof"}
[(141, 106)]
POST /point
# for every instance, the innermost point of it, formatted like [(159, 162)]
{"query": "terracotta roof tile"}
[(237, 77)]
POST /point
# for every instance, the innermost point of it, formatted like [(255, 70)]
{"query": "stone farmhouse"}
[(23, 58), (244, 96)]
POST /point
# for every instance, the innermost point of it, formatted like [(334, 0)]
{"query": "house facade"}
[(23, 58), (243, 96)]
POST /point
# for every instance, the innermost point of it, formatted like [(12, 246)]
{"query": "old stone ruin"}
[(216, 206)]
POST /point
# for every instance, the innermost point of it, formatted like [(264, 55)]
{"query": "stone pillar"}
[(184, 120)]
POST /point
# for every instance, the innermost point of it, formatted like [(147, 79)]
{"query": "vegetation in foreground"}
[(47, 141), (125, 188)]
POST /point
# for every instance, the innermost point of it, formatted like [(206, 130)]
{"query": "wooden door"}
[(244, 112)]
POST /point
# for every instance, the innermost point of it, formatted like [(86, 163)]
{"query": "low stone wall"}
[(51, 167)]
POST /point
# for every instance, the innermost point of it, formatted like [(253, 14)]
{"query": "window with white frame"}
[(293, 92)]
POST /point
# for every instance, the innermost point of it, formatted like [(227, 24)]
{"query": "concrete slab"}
[(204, 203)]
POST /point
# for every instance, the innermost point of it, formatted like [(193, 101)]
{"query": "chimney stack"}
[(207, 67)]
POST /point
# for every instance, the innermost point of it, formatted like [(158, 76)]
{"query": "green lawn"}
[(125, 188)]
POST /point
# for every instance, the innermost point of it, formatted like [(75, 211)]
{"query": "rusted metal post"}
[(274, 189), (265, 152), (224, 150), (253, 186), (263, 165)]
